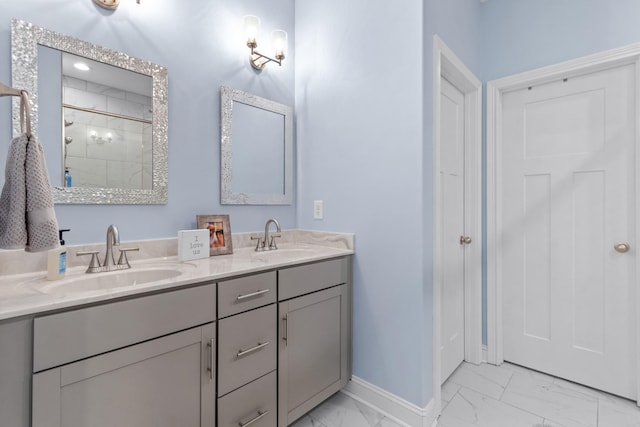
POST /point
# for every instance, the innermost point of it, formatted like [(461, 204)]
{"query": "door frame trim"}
[(629, 54), (447, 65)]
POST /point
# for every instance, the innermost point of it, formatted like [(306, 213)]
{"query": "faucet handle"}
[(272, 243), (95, 260), (122, 260), (259, 243)]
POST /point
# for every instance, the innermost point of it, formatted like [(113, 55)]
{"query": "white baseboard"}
[(391, 406), (485, 356)]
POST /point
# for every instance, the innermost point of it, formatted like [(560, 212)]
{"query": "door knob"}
[(465, 240), (622, 247)]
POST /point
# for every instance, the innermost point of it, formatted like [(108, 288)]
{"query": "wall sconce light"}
[(257, 59), (110, 4), (100, 139)]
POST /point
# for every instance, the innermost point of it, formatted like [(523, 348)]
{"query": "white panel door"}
[(568, 179), (451, 227)]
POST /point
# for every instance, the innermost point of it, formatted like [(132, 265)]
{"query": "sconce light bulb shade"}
[(280, 43), (251, 28)]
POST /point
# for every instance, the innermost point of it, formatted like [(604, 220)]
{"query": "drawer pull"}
[(251, 295), (285, 336), (210, 362), (248, 423), (252, 349)]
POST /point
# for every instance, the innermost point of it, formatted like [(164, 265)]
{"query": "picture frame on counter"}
[(219, 226)]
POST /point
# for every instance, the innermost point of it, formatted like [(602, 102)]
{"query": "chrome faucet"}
[(113, 239), (272, 242), (262, 242)]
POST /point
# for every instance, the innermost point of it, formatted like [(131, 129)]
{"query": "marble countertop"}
[(30, 293)]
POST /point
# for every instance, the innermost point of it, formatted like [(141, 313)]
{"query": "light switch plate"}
[(193, 244), (318, 209)]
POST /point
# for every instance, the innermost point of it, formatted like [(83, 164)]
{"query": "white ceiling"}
[(107, 75)]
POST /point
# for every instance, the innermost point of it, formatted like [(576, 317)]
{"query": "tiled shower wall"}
[(94, 160)]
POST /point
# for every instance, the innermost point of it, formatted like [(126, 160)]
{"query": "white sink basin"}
[(103, 281)]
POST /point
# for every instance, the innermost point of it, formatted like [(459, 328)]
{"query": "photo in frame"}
[(219, 233)]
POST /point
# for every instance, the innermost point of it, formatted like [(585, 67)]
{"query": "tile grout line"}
[(584, 397), (504, 390), (511, 406), (511, 376), (565, 387)]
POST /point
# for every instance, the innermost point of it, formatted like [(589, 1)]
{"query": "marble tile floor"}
[(490, 396), (512, 396), (341, 410)]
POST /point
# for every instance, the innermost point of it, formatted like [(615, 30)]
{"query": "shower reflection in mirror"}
[(107, 125)]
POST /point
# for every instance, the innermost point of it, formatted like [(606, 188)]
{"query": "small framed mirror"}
[(256, 150), (111, 118)]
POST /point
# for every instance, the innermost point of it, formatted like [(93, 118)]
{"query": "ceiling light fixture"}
[(81, 66), (110, 4)]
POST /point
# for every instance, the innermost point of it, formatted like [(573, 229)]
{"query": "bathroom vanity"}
[(143, 361), (249, 339)]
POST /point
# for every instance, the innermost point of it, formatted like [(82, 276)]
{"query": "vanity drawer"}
[(255, 401), (247, 345), (65, 337), (246, 293), (296, 281)]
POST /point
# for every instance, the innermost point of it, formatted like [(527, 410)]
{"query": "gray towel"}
[(27, 217)]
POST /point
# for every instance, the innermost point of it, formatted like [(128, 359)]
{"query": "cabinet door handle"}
[(248, 423), (252, 349), (252, 294), (285, 336), (210, 361)]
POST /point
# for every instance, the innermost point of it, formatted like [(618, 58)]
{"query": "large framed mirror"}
[(256, 150), (111, 117)]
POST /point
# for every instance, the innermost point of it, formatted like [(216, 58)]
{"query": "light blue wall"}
[(364, 108), (358, 106), (201, 43), (527, 34)]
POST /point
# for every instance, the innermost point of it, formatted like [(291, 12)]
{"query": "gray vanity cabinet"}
[(314, 336), (247, 351), (258, 350), (16, 344), (247, 348), (147, 361), (161, 383), (252, 405)]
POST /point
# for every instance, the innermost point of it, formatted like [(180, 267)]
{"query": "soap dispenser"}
[(67, 178), (57, 260)]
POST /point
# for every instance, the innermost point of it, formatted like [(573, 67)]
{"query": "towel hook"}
[(8, 91), (25, 113), (25, 107)]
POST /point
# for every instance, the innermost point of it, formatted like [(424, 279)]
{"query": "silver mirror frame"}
[(227, 197), (25, 38)]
